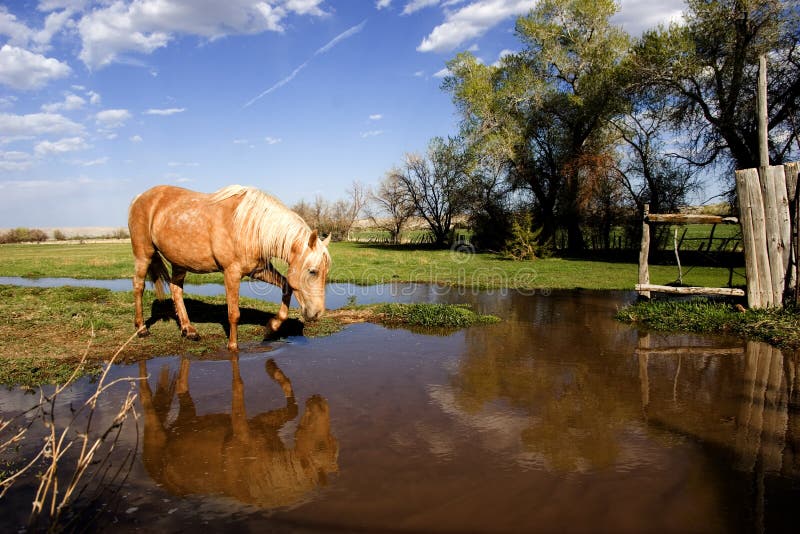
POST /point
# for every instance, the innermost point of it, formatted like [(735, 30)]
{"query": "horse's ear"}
[(327, 240), (312, 241)]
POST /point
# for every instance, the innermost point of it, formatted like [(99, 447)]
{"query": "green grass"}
[(780, 327), (35, 371), (45, 331), (370, 264), (432, 315)]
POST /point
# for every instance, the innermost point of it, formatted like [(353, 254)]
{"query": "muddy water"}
[(556, 419)]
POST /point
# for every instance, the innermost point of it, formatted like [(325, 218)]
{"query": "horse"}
[(246, 457), (237, 230)]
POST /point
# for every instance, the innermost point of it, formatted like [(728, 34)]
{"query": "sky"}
[(101, 100)]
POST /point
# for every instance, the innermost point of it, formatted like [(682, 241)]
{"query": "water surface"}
[(557, 418)]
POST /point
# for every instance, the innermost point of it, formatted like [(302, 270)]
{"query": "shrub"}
[(21, 235), (524, 242)]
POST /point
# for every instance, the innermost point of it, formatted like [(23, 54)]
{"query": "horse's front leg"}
[(283, 312), (176, 289), (272, 276), (233, 278)]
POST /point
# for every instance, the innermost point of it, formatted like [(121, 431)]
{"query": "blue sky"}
[(100, 100)]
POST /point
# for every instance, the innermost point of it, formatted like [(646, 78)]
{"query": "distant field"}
[(370, 264)]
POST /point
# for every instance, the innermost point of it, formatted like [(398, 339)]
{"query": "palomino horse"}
[(233, 454), (237, 230)]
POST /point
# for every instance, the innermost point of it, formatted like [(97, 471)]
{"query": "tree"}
[(435, 184), (646, 171), (392, 205), (334, 218), (491, 202), (549, 106), (708, 69)]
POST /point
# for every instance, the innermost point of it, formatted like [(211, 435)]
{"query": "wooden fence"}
[(768, 211), (644, 287)]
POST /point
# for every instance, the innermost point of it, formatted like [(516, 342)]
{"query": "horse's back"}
[(187, 227)]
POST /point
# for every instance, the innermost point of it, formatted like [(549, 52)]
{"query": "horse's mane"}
[(264, 226)]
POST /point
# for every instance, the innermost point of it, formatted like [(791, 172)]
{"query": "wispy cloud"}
[(68, 144), (272, 140), (375, 117), (322, 50), (371, 133), (167, 111)]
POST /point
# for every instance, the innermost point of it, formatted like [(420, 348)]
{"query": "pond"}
[(557, 418)]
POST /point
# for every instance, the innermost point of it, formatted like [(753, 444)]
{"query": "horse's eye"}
[(312, 272)]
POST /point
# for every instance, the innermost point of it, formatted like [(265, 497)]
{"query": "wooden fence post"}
[(644, 252), (793, 276), (776, 221)]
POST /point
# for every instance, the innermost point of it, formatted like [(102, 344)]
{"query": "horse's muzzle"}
[(312, 315)]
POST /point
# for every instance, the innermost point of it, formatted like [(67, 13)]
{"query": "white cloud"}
[(382, 4), (442, 73), (68, 144), (36, 124), (305, 7), (144, 26), (14, 160), (19, 34), (92, 162), (112, 118), (636, 16), (135, 139), (71, 102), (471, 21), (415, 5), (372, 133), (375, 117), (503, 53), (167, 111), (272, 140), (94, 98), (24, 70), (419, 74)]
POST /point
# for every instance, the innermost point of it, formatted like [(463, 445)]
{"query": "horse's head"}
[(307, 274)]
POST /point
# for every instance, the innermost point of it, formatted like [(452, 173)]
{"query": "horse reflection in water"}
[(231, 454)]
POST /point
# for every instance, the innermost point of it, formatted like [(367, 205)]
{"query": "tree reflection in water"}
[(230, 454), (573, 390)]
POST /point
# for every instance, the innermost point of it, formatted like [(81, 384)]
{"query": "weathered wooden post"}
[(793, 271), (644, 252), (763, 144)]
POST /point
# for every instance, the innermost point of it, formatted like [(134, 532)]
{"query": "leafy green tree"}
[(548, 107), (708, 68)]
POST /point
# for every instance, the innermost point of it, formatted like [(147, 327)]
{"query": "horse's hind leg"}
[(142, 264), (176, 289)]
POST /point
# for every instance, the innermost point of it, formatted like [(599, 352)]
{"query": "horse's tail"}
[(158, 274)]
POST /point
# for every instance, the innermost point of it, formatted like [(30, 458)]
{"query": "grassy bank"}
[(374, 264), (44, 330), (780, 327)]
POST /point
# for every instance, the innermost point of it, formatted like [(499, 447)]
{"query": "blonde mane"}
[(264, 226)]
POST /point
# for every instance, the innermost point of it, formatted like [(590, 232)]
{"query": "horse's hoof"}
[(190, 334), (143, 332)]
